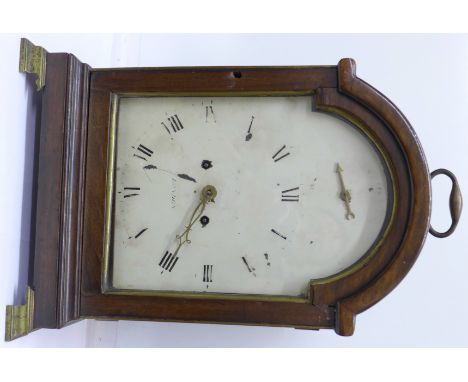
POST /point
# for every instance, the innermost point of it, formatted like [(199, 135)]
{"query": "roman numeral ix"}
[(168, 261), (173, 122), (289, 195)]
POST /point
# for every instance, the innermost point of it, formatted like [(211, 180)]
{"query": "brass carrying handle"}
[(455, 203)]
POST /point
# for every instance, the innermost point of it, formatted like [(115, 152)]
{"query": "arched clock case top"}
[(72, 183)]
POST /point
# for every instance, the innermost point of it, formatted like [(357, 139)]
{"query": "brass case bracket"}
[(33, 60), (19, 318)]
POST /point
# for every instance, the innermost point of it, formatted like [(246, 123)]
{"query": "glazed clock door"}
[(296, 195)]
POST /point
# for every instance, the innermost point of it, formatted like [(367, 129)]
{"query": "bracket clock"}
[(281, 196)]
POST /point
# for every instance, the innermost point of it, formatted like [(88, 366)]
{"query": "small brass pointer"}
[(344, 194), (207, 195)]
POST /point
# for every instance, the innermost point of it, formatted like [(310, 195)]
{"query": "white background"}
[(425, 75)]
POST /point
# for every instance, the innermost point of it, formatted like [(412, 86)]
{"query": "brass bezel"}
[(106, 287)]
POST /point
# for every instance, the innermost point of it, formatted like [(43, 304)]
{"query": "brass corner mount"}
[(33, 60), (19, 318)]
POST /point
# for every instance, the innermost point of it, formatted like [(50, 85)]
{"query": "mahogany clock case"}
[(67, 263)]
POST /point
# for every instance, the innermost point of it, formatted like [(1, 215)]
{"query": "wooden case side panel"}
[(420, 196), (58, 200), (49, 193), (73, 189)]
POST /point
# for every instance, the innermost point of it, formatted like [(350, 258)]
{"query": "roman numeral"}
[(209, 112), (168, 261), (267, 259), (289, 195), (173, 122), (144, 150), (274, 157), (129, 189), (277, 233), (249, 268), (208, 273), (248, 137), (246, 264), (140, 233)]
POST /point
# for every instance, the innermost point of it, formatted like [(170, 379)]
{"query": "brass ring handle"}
[(455, 203)]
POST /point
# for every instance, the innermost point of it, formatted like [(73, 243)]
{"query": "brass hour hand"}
[(345, 194), (208, 194)]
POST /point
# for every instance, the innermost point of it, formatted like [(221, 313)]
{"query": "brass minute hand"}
[(344, 194), (207, 195)]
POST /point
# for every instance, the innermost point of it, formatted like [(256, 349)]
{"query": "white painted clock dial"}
[(278, 219)]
